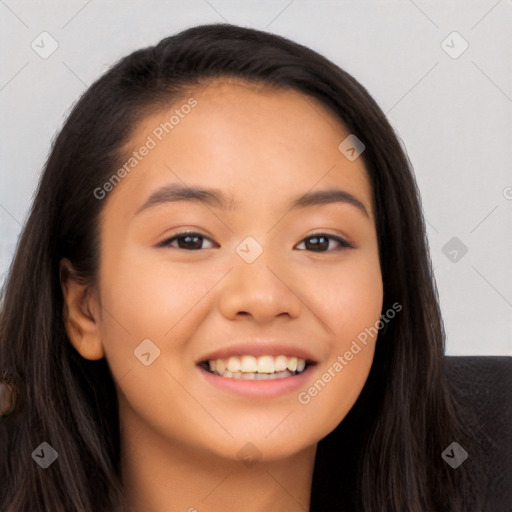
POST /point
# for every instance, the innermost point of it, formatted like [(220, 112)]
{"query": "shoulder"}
[(482, 385)]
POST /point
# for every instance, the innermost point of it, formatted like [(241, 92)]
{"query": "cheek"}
[(348, 296), (151, 299), (146, 296), (351, 304), (162, 304), (139, 302)]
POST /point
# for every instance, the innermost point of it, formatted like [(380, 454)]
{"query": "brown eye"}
[(319, 242), (188, 240), (193, 241)]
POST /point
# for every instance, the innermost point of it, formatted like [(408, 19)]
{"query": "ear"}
[(80, 313)]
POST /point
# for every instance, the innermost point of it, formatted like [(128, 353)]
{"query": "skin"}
[(180, 435)]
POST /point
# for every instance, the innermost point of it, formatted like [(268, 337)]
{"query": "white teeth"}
[(292, 364), (280, 363), (233, 364), (256, 376), (251, 367), (249, 364), (266, 364), (220, 365)]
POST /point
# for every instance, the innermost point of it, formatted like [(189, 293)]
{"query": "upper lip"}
[(259, 348)]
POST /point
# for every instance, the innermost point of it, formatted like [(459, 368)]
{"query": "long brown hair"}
[(70, 402)]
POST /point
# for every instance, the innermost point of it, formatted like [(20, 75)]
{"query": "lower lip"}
[(259, 388)]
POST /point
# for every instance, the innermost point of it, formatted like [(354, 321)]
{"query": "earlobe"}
[(80, 313)]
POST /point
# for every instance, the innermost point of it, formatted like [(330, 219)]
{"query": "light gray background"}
[(454, 115)]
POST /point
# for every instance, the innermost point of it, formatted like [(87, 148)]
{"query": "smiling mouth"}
[(249, 367)]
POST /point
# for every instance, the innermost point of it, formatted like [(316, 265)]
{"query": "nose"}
[(262, 289)]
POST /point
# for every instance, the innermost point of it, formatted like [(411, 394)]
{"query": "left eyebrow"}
[(332, 195), (215, 197)]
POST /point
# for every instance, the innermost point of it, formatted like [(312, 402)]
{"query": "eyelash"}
[(343, 244)]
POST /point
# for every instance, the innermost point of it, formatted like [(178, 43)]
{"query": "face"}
[(256, 277)]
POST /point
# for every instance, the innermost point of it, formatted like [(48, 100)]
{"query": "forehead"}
[(254, 141)]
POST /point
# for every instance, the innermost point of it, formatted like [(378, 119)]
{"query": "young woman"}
[(223, 299)]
